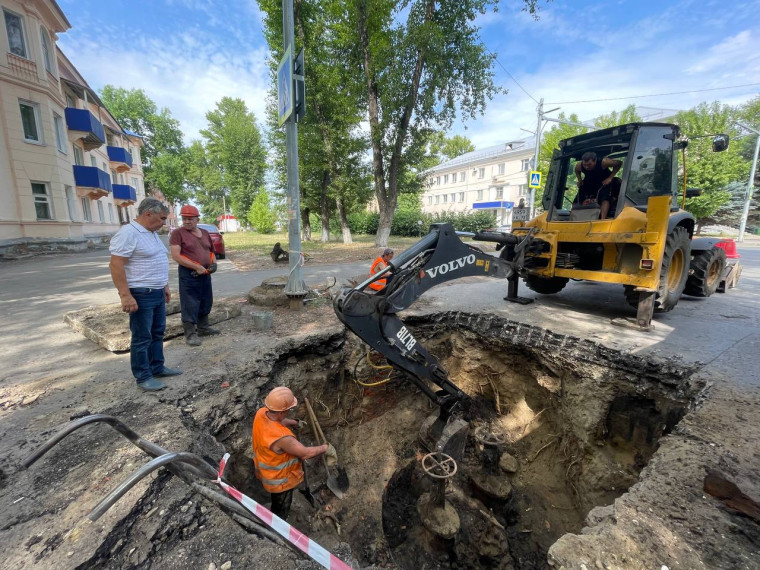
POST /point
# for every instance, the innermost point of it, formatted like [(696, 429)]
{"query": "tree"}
[(163, 150), (449, 148), (260, 215), (234, 151), (423, 63), (627, 115), (550, 143), (205, 181), (705, 169)]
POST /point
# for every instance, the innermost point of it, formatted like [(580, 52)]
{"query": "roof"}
[(490, 152)]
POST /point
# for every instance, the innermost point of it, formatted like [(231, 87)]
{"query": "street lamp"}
[(750, 183)]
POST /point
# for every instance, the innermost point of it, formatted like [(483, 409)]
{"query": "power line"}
[(651, 95), (513, 78)]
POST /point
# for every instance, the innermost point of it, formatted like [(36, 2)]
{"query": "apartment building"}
[(494, 178), (69, 174)]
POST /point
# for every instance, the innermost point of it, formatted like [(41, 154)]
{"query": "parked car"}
[(216, 239)]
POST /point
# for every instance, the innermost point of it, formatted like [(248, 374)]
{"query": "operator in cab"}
[(597, 182), (277, 454), (378, 265)]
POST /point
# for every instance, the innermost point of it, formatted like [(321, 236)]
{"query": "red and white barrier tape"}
[(289, 533)]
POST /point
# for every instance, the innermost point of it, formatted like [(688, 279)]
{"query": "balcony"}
[(83, 125), (91, 182), (124, 195), (119, 159)]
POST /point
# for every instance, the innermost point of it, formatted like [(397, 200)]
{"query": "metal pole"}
[(296, 288), (750, 185), (535, 156)]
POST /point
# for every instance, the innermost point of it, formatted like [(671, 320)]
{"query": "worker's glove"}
[(212, 268), (331, 455)]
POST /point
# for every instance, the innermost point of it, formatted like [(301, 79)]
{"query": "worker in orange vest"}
[(379, 264), (277, 454)]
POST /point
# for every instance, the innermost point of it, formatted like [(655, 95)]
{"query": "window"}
[(430, 181), (71, 203), (445, 198), (110, 212), (430, 200), (78, 156), (30, 119), (461, 196), (100, 212), (437, 199), (134, 184), (105, 169), (480, 195), (46, 51), (438, 180), (525, 164), (481, 173), (14, 25), (461, 176), (114, 177), (453, 177), (445, 178), (500, 193), (86, 209), (60, 133), (453, 197), (42, 201), (70, 101), (501, 168), (93, 161), (522, 190)]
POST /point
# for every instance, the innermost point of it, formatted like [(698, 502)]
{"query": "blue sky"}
[(188, 54)]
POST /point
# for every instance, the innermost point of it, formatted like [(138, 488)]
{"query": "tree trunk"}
[(344, 222), (306, 230), (324, 207)]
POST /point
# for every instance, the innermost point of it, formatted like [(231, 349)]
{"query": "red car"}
[(216, 239)]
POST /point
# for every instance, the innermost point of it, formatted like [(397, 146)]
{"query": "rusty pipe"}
[(192, 459)]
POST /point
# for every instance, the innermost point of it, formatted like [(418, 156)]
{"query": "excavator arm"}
[(437, 258)]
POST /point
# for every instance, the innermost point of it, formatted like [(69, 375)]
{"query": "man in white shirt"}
[(140, 270)]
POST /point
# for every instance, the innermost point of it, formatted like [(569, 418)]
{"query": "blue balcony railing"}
[(119, 157), (92, 180), (82, 121), (124, 192)]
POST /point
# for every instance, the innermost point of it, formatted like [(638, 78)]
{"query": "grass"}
[(262, 244)]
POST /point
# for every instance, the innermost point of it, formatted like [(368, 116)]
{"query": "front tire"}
[(545, 285), (706, 272), (673, 273)]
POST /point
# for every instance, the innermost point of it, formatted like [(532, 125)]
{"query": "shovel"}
[(337, 483), (306, 491)]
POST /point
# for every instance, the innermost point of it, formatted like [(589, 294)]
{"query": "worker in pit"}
[(598, 183), (379, 264), (277, 454)]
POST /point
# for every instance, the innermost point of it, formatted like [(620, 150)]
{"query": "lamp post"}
[(750, 182)]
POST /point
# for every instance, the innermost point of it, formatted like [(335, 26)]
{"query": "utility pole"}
[(535, 156), (750, 183), (296, 288)]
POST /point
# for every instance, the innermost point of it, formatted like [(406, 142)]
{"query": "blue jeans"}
[(147, 325)]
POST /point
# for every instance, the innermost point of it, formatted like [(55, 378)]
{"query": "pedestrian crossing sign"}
[(535, 179)]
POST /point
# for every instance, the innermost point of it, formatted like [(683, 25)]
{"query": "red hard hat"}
[(280, 399), (190, 211)]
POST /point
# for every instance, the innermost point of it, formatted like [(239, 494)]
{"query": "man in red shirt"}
[(192, 249)]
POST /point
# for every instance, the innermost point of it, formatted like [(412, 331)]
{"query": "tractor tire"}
[(673, 273), (545, 285), (706, 272)]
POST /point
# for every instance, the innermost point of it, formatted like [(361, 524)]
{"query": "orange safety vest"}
[(278, 472), (380, 283)]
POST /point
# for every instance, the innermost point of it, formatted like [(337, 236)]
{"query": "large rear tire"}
[(673, 273), (545, 285), (706, 272)]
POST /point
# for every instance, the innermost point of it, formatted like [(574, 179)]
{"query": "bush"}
[(363, 222), (466, 221), (260, 215)]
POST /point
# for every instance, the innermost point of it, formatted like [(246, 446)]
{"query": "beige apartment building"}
[(494, 178), (69, 174)]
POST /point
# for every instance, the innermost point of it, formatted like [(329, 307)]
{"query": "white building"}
[(494, 178), (69, 173)]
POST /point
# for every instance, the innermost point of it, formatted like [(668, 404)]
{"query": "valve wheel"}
[(489, 438), (439, 465)]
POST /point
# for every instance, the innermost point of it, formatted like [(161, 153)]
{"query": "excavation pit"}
[(579, 423)]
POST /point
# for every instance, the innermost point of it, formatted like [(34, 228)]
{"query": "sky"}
[(188, 54)]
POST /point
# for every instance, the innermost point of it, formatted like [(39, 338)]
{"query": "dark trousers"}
[(195, 295), (147, 325), (281, 503)]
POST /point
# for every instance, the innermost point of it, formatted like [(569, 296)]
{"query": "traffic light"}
[(299, 87)]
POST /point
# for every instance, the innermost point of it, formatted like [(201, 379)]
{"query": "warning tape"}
[(313, 550)]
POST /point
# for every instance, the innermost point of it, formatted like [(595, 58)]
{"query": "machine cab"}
[(637, 159)]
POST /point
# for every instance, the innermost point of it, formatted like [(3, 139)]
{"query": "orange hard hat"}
[(190, 211), (280, 399)]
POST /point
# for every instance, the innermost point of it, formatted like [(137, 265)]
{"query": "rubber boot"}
[(203, 328), (191, 337)]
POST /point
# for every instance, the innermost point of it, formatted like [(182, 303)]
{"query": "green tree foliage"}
[(447, 148), (163, 152), (627, 115), (230, 162), (705, 169), (423, 62), (260, 215)]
